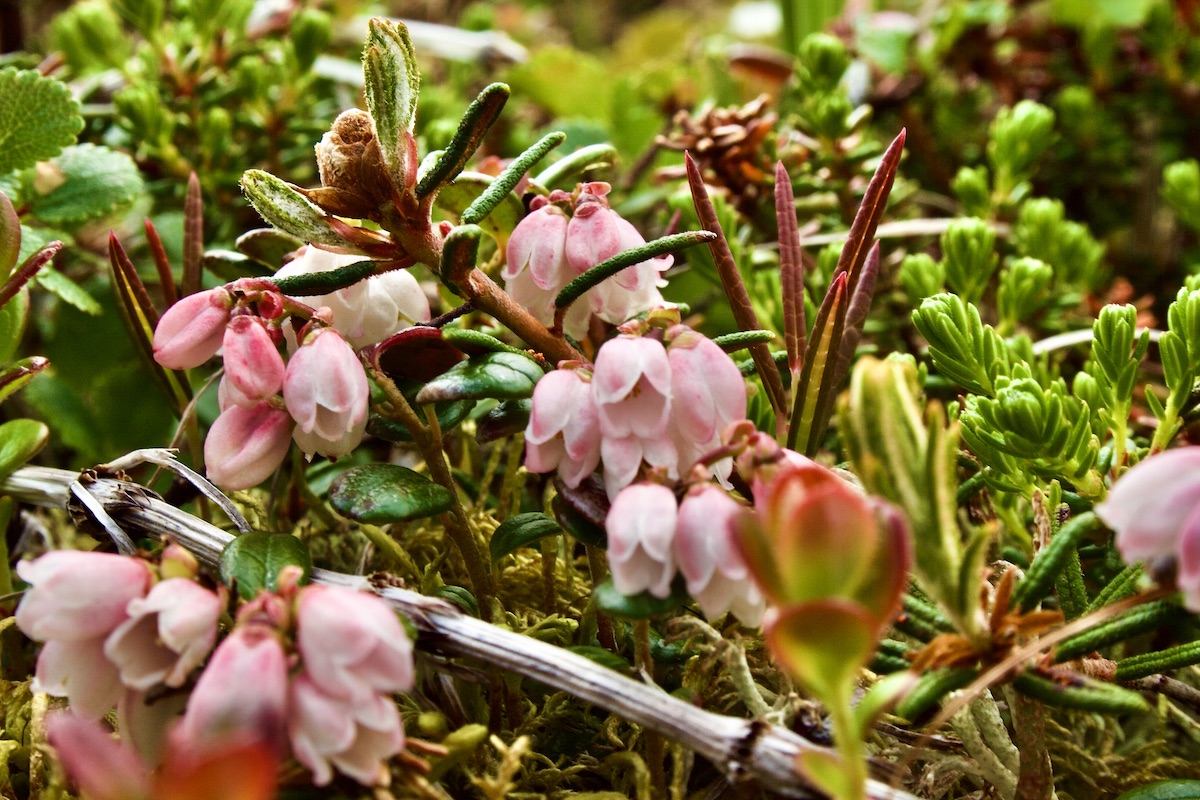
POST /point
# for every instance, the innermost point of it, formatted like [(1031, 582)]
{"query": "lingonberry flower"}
[(242, 693), (169, 633), (641, 533), (1154, 508), (548, 250), (253, 364), (708, 393), (632, 388), (191, 331), (717, 576), (326, 392), (564, 429), (351, 643), (77, 599), (354, 736), (369, 311), (245, 445)]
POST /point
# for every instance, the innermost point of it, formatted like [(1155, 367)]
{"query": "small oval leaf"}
[(20, 440), (605, 658), (252, 562), (519, 531), (383, 493), (1165, 790), (638, 606), (449, 415), (503, 376), (460, 597), (507, 419)]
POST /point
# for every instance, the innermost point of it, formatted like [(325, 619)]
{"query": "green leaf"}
[(454, 198), (20, 440), (18, 376), (1070, 690), (822, 644), (383, 493), (460, 597), (38, 118), (638, 606), (504, 376), (449, 415), (627, 258), (571, 166), (506, 419), (253, 561), (288, 210), (68, 291), (267, 246), (13, 318), (10, 236), (476, 122), (1165, 790), (89, 182), (393, 81), (520, 531), (579, 525), (504, 183)]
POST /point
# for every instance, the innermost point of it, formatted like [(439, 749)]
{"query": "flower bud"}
[(245, 445), (191, 331), (252, 361), (641, 531), (326, 391), (352, 169)]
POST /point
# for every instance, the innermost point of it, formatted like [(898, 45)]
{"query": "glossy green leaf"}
[(521, 531), (506, 419), (253, 561), (449, 415), (605, 658), (578, 524), (504, 376), (38, 118), (639, 606), (460, 597), (571, 167), (88, 182), (1165, 790), (14, 315), (267, 246), (383, 493)]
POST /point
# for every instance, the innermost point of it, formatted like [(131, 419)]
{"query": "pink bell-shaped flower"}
[(355, 736), (168, 634), (717, 576), (564, 427), (632, 390), (352, 643), (252, 361), (191, 331), (1155, 510), (707, 394), (641, 532), (538, 247), (242, 693), (245, 445), (77, 599), (326, 392)]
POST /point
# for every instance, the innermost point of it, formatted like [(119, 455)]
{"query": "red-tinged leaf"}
[(140, 319), (856, 314), (28, 271), (791, 271), (419, 353), (10, 235), (162, 265), (193, 236), (735, 290), (822, 644), (820, 360), (862, 230)]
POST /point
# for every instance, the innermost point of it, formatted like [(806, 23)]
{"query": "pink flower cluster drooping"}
[(319, 396), (310, 671), (564, 236), (650, 538), (1155, 510), (659, 403), (109, 626)]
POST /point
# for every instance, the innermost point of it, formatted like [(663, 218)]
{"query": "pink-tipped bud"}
[(191, 331), (245, 445), (252, 361), (326, 390), (641, 530)]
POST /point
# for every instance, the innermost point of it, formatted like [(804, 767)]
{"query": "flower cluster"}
[(564, 236), (662, 402), (319, 396), (308, 670), (1155, 510), (649, 538)]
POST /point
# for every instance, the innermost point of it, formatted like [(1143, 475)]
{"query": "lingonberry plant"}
[(491, 481)]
